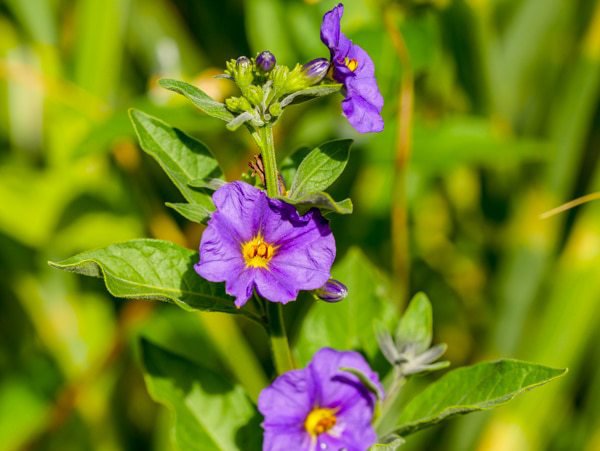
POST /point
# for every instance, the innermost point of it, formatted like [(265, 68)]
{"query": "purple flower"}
[(253, 242), (320, 407), (353, 67)]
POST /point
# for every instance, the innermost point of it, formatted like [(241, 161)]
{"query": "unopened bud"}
[(243, 72), (243, 62), (332, 291), (315, 70), (265, 61)]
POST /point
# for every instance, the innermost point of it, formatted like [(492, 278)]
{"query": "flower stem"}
[(269, 160), (279, 342), (277, 334)]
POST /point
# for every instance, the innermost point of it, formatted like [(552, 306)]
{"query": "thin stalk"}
[(277, 334), (391, 396), (400, 233)]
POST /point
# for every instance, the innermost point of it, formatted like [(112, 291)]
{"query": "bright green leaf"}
[(473, 388), (199, 98), (310, 93), (322, 201), (416, 324), (349, 324), (183, 158), (152, 270), (322, 166), (210, 412), (390, 443), (194, 212)]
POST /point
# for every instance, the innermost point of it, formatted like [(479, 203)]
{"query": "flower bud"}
[(314, 71), (265, 61), (243, 63), (332, 291), (243, 72)]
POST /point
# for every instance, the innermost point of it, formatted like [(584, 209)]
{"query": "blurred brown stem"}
[(403, 143)]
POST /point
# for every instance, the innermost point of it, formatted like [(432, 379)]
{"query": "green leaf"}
[(183, 158), (194, 212), (322, 201), (199, 98), (322, 166), (310, 93), (210, 413), (416, 324), (210, 184), (390, 443), (473, 388), (153, 270), (349, 324)]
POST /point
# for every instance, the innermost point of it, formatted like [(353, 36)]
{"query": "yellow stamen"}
[(351, 63), (257, 252), (320, 420)]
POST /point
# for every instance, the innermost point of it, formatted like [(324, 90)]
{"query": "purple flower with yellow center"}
[(353, 67), (253, 242), (321, 407)]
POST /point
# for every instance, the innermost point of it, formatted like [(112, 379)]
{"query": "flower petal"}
[(343, 389), (288, 400), (352, 438), (330, 27), (286, 439), (241, 207), (362, 115)]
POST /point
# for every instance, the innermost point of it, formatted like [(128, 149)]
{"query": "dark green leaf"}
[(470, 389), (198, 97), (349, 324), (310, 93), (416, 324), (210, 412), (153, 270), (193, 212), (322, 201), (320, 168), (182, 157)]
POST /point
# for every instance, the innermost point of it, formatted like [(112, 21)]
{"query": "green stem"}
[(391, 397), (279, 342), (269, 160), (277, 334)]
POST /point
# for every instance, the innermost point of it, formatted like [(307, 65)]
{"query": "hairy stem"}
[(277, 334)]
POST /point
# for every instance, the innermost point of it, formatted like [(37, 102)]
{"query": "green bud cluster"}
[(264, 85)]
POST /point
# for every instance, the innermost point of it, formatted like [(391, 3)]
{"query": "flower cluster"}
[(321, 407)]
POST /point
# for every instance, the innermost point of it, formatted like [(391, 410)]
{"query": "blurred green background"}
[(505, 125)]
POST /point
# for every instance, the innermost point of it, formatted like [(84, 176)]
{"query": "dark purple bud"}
[(315, 70), (332, 291), (265, 61)]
